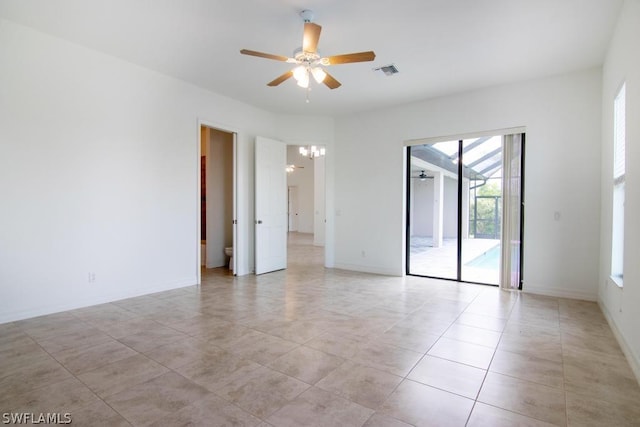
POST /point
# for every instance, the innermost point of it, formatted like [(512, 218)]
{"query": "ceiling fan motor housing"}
[(307, 15), (306, 57)]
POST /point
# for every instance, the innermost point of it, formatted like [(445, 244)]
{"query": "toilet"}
[(229, 252)]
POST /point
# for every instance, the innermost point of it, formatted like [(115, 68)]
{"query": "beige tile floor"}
[(310, 346)]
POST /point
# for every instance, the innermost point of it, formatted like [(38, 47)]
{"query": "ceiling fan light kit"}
[(308, 59), (318, 74)]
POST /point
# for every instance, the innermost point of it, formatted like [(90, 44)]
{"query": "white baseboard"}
[(368, 269), (632, 358), (560, 292), (87, 302)]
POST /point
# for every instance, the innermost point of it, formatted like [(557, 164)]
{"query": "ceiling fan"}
[(308, 60), (423, 176), (292, 168)]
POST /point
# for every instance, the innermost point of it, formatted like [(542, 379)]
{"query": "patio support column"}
[(465, 208), (438, 209)]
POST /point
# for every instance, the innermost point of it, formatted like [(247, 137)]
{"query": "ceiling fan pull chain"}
[(308, 89)]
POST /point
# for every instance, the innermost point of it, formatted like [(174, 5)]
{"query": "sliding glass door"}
[(455, 209), (433, 212)]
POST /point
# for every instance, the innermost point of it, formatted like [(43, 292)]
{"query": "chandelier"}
[(311, 151)]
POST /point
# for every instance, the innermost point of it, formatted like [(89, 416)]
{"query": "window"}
[(619, 141)]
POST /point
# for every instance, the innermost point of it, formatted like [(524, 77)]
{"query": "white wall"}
[(622, 64), (562, 117), (99, 173), (302, 177), (422, 212)]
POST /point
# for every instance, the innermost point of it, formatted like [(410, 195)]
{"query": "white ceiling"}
[(439, 46)]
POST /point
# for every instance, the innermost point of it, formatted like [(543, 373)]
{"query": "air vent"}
[(388, 70)]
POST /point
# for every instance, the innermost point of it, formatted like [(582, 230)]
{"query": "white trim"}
[(435, 139), (227, 129), (619, 132), (633, 359), (616, 281), (368, 269), (559, 292), (99, 299), (234, 244)]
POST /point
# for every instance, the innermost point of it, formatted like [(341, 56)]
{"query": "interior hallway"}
[(310, 346)]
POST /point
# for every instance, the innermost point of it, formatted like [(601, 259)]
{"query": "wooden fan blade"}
[(311, 37), (331, 82), (280, 79), (351, 57), (264, 55)]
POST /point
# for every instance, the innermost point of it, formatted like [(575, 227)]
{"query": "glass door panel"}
[(481, 210), (433, 210)]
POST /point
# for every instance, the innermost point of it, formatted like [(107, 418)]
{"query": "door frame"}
[(407, 201), (322, 222), (292, 207), (237, 248)]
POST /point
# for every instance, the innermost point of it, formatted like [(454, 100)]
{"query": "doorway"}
[(217, 198), (278, 167), (457, 194), (306, 202)]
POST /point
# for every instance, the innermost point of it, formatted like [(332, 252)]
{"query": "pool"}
[(489, 260)]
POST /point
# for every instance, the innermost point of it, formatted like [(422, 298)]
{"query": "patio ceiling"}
[(482, 157)]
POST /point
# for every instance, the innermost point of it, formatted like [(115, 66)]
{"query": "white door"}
[(271, 205)]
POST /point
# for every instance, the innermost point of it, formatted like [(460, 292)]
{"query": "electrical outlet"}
[(91, 277), (364, 254)]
